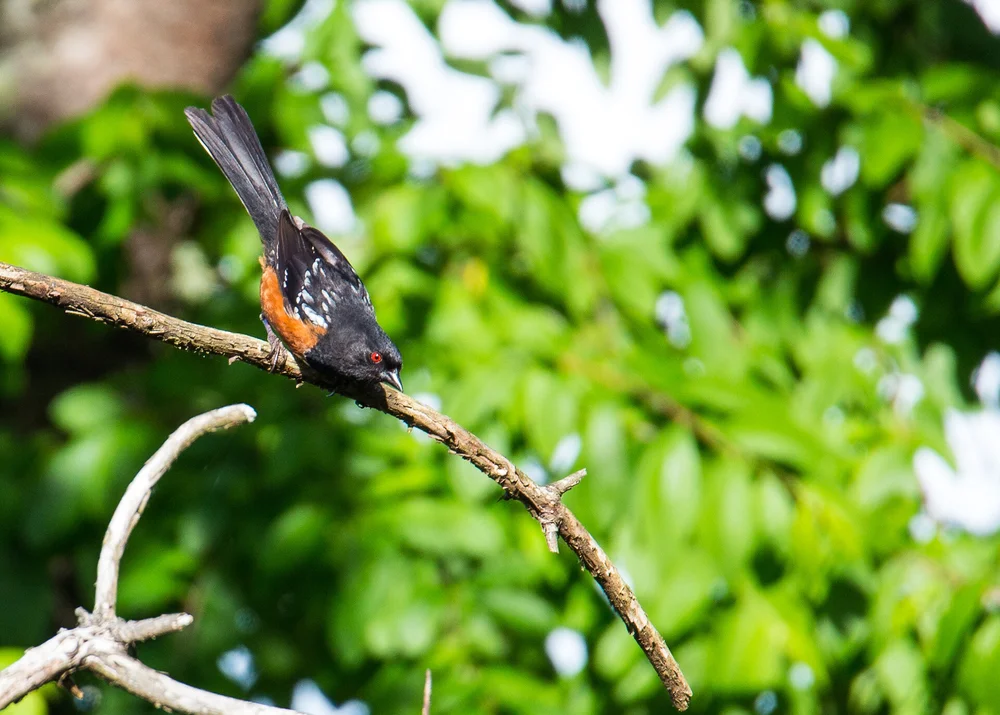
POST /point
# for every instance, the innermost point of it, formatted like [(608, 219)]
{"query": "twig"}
[(135, 631), (549, 525), (426, 709), (99, 643), (544, 503)]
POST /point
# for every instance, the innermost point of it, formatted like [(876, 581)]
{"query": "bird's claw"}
[(274, 342)]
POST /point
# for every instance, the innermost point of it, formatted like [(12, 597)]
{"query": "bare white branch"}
[(131, 506), (426, 709)]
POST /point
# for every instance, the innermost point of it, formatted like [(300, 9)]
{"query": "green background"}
[(755, 484)]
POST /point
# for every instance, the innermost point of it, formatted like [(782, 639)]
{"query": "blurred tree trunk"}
[(58, 58)]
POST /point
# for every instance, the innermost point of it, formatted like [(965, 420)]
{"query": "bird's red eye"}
[(376, 358)]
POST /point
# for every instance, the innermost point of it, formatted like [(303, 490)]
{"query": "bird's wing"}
[(315, 277), (345, 277)]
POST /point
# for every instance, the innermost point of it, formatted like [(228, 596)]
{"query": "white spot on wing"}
[(313, 316)]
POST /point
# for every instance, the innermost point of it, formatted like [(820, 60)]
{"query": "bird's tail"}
[(229, 137)]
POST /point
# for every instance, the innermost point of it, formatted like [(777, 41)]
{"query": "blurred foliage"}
[(755, 482)]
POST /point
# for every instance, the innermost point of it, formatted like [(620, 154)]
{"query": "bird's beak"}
[(392, 378)]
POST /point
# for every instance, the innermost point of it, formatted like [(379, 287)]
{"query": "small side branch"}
[(99, 643), (543, 503), (549, 518)]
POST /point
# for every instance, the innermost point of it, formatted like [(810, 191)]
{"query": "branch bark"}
[(544, 503), (99, 643)]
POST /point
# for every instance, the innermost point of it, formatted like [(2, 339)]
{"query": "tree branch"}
[(544, 503), (99, 643)]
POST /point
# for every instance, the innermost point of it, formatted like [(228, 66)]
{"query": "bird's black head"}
[(361, 353)]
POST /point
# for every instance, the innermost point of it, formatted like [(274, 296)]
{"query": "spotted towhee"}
[(310, 294)]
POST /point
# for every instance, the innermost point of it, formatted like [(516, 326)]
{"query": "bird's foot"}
[(277, 353)]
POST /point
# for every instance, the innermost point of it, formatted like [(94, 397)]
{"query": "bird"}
[(311, 298)]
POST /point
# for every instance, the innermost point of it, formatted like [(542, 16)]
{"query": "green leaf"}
[(403, 217), (86, 407), (526, 611), (712, 331), (636, 267), (887, 140), (947, 81), (725, 529), (116, 128), (962, 611), (550, 410), (43, 245), (294, 537), (815, 211), (858, 225), (677, 481), (615, 652), (975, 215), (154, 578), (775, 509), (437, 527), (603, 493), (980, 665), (721, 235), (901, 673), (884, 474), (748, 652), (395, 609), (515, 690), (685, 593), (929, 243)]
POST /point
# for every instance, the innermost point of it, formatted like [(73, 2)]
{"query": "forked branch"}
[(100, 641)]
